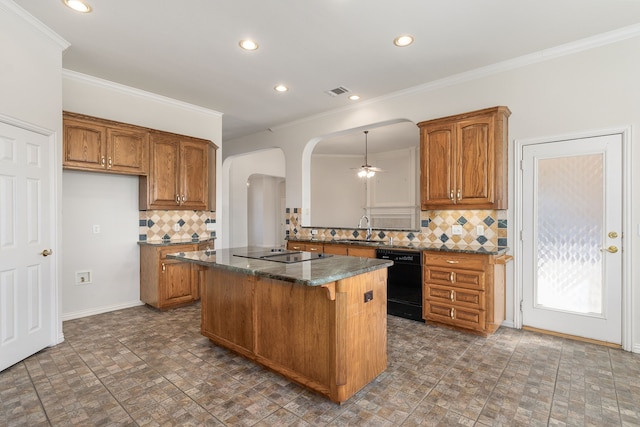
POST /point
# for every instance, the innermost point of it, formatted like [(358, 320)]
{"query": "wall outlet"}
[(211, 226), (456, 230), (314, 232), (480, 230), (176, 227), (83, 277), (96, 229)]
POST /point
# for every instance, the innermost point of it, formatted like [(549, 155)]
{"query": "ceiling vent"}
[(338, 91)]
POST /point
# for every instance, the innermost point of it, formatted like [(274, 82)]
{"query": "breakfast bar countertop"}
[(315, 272)]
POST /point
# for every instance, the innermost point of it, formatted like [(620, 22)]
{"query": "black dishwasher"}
[(404, 283)]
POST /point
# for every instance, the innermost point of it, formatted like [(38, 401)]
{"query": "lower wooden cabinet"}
[(465, 291), (333, 248), (167, 283)]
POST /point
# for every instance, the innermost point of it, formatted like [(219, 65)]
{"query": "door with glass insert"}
[(572, 239)]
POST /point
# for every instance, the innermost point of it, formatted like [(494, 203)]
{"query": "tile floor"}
[(142, 367)]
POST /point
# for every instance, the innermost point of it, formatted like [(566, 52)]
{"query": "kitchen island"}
[(319, 320)]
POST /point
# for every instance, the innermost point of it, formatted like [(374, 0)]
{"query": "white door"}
[(572, 237), (26, 270)]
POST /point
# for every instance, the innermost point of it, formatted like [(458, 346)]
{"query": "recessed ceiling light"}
[(78, 5), (354, 97), (248, 44), (403, 40), (281, 88)]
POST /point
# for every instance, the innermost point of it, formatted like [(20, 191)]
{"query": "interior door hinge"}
[(520, 235), (521, 167), (520, 306)]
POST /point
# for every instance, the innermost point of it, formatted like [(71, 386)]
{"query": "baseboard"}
[(508, 324), (99, 310), (635, 348)]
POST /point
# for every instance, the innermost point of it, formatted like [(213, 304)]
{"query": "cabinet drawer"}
[(469, 262), (163, 251), (295, 246), (463, 317), (310, 247), (456, 296), (455, 277)]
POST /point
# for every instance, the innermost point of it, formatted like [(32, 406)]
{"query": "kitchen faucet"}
[(368, 225)]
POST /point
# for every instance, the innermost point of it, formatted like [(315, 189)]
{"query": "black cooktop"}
[(281, 255)]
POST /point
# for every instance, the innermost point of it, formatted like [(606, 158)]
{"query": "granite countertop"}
[(311, 273), (175, 242), (424, 246)]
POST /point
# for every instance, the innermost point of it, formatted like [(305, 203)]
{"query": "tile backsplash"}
[(436, 227), (162, 225)]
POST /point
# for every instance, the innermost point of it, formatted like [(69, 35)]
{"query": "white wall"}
[(264, 212), (113, 202), (31, 93), (585, 86), (236, 171)]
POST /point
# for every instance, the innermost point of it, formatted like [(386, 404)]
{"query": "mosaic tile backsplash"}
[(175, 225), (435, 228)]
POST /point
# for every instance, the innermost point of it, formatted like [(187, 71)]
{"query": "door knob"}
[(46, 252), (610, 249), (613, 234)]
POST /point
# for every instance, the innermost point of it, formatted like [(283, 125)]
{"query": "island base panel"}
[(327, 338)]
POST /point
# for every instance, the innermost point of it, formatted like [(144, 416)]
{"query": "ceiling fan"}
[(366, 170)]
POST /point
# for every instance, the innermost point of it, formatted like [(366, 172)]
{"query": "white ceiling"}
[(188, 50)]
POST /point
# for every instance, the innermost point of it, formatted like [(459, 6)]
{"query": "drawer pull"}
[(313, 249), (450, 261), (452, 295), (459, 194), (452, 277), (102, 160), (451, 195), (177, 199), (164, 268), (453, 313), (110, 163)]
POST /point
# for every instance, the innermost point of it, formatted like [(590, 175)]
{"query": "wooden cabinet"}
[(464, 160), (466, 291), (305, 246), (333, 248), (92, 144), (178, 175), (168, 283)]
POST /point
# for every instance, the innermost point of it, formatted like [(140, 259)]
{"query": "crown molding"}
[(11, 7), (566, 49), (128, 90)]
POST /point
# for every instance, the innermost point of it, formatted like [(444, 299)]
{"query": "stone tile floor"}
[(142, 367)]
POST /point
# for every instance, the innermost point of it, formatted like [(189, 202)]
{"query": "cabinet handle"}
[(296, 248), (102, 160), (451, 195), (313, 249), (453, 313), (110, 163), (450, 261), (164, 268), (177, 199), (452, 277), (184, 198), (459, 194), (452, 295)]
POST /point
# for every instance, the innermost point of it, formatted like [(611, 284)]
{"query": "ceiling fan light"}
[(370, 173), (362, 173)]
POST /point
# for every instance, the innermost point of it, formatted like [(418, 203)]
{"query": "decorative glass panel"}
[(569, 210)]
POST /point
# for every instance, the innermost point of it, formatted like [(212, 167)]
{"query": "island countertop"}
[(314, 272)]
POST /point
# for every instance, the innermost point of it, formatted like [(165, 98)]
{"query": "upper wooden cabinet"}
[(179, 173), (464, 160), (93, 144)]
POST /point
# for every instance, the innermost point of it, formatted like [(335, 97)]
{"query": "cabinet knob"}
[(110, 163), (453, 313), (102, 160), (451, 195), (164, 268), (184, 198), (459, 194), (452, 277), (177, 199)]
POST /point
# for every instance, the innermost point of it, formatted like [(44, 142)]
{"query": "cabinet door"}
[(335, 249), (84, 146), (194, 160), (475, 162), (128, 151), (163, 182), (362, 252), (437, 162), (177, 284)]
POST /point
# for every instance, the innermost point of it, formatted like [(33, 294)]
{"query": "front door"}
[(26, 267), (572, 237)]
